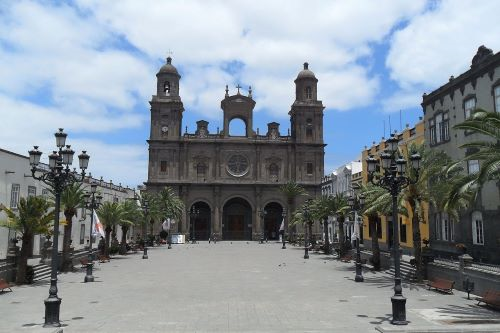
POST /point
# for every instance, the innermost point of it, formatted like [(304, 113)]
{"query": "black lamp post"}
[(145, 210), (262, 214), (394, 180), (58, 176), (356, 203), (193, 214), (307, 217), (92, 202), (283, 239)]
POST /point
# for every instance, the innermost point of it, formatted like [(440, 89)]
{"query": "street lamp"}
[(92, 202), (307, 217), (356, 203), (283, 232), (145, 210), (394, 180), (58, 177), (193, 214), (262, 214)]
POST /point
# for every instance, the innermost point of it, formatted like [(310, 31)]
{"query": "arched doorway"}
[(272, 220), (237, 220), (201, 222)]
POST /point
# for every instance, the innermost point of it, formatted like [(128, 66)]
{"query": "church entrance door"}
[(201, 223), (237, 220), (272, 220)]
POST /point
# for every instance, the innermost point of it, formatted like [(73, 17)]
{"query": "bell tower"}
[(306, 114), (166, 105)]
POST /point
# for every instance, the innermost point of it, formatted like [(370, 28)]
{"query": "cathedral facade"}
[(233, 182)]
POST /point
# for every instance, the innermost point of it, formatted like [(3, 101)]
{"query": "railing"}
[(446, 262), (487, 268)]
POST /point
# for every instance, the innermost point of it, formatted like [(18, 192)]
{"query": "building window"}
[(84, 213), (309, 93), (473, 166), (497, 98), (477, 228), (14, 195), (439, 226), (82, 233), (402, 230), (201, 170), (439, 123), (274, 170), (432, 129), (163, 166), (45, 193), (31, 191), (309, 168), (309, 128), (452, 231), (469, 106), (444, 129)]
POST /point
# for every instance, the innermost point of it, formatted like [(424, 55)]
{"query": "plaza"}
[(236, 287)]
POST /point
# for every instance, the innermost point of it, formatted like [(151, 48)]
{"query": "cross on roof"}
[(238, 87)]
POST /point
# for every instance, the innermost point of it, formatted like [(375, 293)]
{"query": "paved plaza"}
[(236, 287)]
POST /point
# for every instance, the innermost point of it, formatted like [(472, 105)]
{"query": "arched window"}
[(309, 128), (309, 94), (237, 127), (166, 88)]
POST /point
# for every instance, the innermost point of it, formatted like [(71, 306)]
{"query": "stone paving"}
[(236, 287)]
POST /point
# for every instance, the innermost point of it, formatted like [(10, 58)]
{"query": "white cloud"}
[(439, 43)]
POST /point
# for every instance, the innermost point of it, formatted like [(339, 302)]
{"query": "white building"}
[(16, 182)]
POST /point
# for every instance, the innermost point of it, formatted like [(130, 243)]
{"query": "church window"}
[(309, 168), (309, 128), (201, 169), (237, 165), (308, 92), (163, 166), (166, 88), (273, 170)]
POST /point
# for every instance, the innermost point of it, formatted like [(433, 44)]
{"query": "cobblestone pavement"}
[(234, 287)]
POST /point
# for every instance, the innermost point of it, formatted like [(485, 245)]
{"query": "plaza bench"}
[(103, 258), (84, 262), (4, 285), (441, 285), (346, 258), (491, 298)]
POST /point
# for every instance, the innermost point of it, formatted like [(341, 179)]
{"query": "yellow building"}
[(384, 224)]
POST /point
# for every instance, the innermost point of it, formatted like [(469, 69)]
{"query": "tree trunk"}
[(293, 231), (372, 220), (66, 264), (327, 239), (123, 244), (107, 240), (23, 259), (340, 220), (417, 243)]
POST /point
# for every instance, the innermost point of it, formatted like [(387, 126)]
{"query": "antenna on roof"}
[(400, 123), (390, 128)]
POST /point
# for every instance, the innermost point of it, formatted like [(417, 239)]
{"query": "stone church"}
[(233, 181)]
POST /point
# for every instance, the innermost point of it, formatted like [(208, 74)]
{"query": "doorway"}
[(237, 220)]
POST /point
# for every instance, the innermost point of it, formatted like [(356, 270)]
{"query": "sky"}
[(89, 66)]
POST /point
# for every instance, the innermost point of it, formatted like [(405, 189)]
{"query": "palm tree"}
[(34, 218), (292, 190), (72, 198), (339, 207), (110, 214), (320, 210), (377, 201), (169, 205), (131, 215)]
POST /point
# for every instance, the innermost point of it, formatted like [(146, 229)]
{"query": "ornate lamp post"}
[(145, 211), (283, 239), (58, 176), (92, 202), (356, 203), (394, 180), (193, 214), (262, 214), (307, 217)]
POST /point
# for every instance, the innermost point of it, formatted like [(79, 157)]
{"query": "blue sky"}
[(89, 66)]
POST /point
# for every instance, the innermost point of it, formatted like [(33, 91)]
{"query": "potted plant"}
[(461, 248)]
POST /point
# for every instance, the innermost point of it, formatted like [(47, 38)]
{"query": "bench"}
[(84, 262), (346, 258), (442, 285), (4, 285), (103, 258), (491, 297)]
